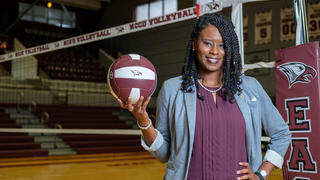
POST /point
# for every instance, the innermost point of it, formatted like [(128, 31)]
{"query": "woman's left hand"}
[(247, 171)]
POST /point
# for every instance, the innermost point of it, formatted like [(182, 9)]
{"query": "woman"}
[(209, 120)]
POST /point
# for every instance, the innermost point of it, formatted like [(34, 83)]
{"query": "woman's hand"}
[(138, 110), (247, 171)]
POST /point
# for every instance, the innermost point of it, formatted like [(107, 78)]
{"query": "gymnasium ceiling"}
[(93, 5)]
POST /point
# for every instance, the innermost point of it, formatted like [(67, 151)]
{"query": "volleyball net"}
[(55, 83)]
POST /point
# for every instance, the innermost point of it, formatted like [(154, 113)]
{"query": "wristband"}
[(145, 127)]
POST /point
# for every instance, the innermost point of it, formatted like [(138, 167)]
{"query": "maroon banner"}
[(298, 101)]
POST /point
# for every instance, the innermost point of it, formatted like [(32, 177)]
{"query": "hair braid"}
[(232, 64)]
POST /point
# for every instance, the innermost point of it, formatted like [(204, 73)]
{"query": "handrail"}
[(58, 126), (45, 117), (32, 106), (21, 95)]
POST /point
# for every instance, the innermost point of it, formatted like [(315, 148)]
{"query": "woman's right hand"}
[(138, 110)]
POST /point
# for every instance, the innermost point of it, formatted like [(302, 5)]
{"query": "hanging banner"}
[(298, 101), (245, 30), (314, 19), (263, 27), (287, 24)]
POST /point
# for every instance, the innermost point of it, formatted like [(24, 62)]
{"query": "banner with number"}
[(245, 30), (263, 27), (287, 24), (314, 19)]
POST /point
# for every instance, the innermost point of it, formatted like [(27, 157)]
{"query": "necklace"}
[(212, 91)]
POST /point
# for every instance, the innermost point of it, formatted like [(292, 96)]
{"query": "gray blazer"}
[(176, 115)]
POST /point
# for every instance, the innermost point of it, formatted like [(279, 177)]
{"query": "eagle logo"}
[(297, 72), (136, 73), (56, 44), (211, 6), (120, 29)]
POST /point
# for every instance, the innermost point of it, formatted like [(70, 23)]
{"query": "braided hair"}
[(232, 66)]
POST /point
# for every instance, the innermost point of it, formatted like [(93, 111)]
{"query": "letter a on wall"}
[(298, 101)]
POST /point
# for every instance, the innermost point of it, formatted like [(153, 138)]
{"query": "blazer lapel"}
[(244, 108), (246, 112)]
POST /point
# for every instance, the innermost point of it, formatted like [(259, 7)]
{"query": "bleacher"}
[(17, 144), (70, 94), (90, 144), (72, 64), (88, 117), (67, 117), (77, 63), (82, 117)]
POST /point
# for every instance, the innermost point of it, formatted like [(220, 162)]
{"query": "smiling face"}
[(210, 50)]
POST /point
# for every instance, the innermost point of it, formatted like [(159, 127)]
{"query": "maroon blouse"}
[(219, 140)]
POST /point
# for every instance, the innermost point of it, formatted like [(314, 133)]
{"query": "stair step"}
[(54, 145), (34, 126), (15, 110), (47, 145), (64, 151), (27, 121), (43, 139), (62, 145), (21, 116)]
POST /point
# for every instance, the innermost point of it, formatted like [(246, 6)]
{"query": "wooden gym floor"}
[(112, 166)]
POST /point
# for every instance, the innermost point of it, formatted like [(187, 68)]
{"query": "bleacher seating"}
[(88, 117), (80, 117), (76, 63), (89, 144), (6, 121), (17, 144)]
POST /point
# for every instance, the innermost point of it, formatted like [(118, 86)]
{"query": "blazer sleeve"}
[(275, 127), (160, 147)]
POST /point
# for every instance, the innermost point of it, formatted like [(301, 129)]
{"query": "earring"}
[(193, 49)]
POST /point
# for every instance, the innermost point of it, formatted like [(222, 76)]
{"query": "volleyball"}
[(132, 75)]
